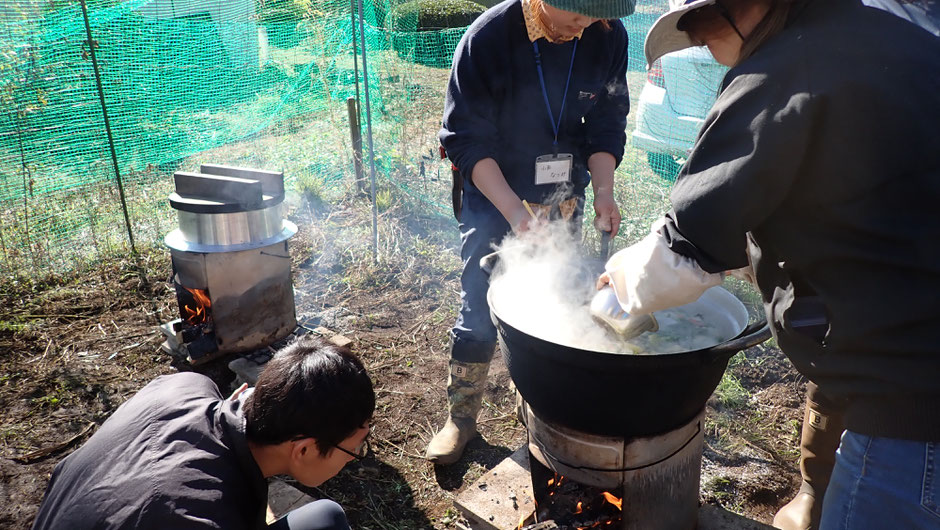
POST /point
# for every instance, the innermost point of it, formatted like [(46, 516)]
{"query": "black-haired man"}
[(179, 455)]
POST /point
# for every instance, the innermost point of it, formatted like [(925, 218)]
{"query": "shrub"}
[(420, 29), (430, 15), (274, 11)]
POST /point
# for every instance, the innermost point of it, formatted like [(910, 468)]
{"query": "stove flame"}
[(200, 314), (577, 507), (613, 500)]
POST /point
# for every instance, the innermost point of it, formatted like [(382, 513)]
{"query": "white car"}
[(680, 89)]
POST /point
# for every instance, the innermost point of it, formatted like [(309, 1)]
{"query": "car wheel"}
[(666, 166)]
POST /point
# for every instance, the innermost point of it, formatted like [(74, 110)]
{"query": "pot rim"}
[(723, 297)]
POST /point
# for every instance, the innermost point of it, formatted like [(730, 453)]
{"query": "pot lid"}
[(226, 189)]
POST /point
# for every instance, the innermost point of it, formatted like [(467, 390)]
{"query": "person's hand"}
[(522, 220), (607, 214), (648, 276), (603, 280)]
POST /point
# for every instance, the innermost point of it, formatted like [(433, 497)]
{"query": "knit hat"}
[(603, 9), (664, 37)]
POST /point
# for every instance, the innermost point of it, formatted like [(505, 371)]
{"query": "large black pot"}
[(613, 394)]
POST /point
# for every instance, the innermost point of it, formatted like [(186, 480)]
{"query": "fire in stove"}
[(589, 481), (199, 313), (568, 504), (195, 325)]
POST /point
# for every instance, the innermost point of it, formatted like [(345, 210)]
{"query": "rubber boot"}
[(465, 397), (519, 407), (820, 437)]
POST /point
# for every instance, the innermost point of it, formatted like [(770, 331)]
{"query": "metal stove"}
[(655, 477), (231, 265)]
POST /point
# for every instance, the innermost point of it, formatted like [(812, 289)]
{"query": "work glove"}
[(648, 276)]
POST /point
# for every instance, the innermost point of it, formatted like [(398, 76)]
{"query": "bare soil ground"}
[(75, 348)]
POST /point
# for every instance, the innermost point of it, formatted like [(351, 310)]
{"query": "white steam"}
[(543, 284)]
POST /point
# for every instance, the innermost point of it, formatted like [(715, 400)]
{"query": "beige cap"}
[(664, 37)]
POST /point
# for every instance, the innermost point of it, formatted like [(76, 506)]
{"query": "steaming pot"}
[(624, 395)]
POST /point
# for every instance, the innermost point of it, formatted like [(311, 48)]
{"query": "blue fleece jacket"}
[(494, 106)]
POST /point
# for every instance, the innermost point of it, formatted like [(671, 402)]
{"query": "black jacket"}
[(820, 163), (173, 456)]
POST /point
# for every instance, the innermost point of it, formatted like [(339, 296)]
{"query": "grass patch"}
[(730, 393)]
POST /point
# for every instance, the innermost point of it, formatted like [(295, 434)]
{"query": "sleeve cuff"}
[(614, 151), (467, 159)]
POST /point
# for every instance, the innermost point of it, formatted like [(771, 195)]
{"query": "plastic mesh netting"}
[(260, 83)]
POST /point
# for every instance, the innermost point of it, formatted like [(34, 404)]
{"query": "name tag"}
[(552, 169)]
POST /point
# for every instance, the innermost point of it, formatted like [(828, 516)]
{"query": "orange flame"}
[(580, 508), (613, 500), (198, 315)]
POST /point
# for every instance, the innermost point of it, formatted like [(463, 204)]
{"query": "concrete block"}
[(501, 498), (283, 498)]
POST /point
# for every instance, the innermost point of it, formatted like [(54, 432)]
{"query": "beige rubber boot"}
[(519, 407), (465, 397), (820, 437)]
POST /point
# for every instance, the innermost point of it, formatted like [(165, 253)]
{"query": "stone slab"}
[(283, 498), (717, 518), (248, 367), (335, 338), (502, 498)]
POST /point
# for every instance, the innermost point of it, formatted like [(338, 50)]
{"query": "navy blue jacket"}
[(495, 108)]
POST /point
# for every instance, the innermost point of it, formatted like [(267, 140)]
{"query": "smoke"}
[(543, 284)]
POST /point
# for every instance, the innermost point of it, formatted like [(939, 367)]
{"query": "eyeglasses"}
[(362, 450), (727, 16)]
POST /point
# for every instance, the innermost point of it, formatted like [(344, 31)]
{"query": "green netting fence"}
[(261, 83)]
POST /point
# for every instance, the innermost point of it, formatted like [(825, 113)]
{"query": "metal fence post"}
[(365, 76), (107, 127)]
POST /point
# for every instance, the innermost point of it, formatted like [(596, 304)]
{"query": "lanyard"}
[(538, 65)]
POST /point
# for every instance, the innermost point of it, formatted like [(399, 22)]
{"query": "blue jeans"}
[(481, 228), (883, 483)]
